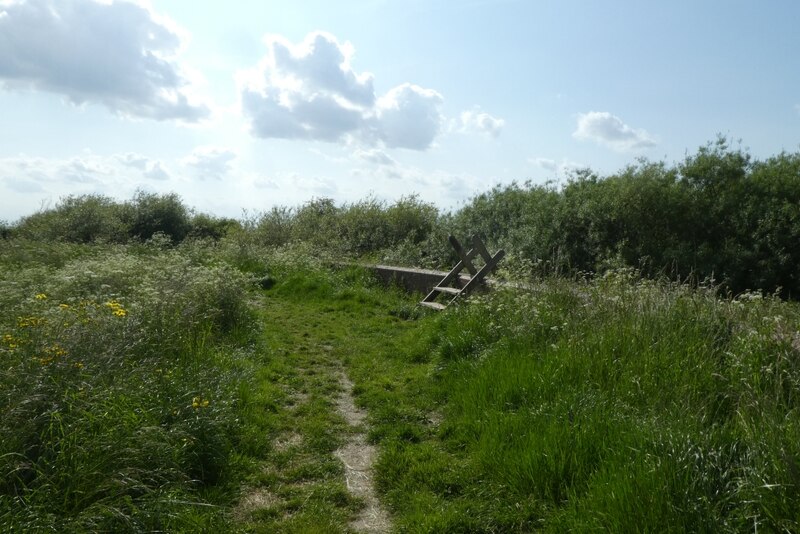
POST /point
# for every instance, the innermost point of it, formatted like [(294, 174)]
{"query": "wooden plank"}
[(451, 290), (454, 272), (466, 257), (478, 245), (434, 305), (465, 262), (478, 278)]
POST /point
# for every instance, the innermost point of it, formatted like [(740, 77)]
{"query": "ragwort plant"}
[(116, 405)]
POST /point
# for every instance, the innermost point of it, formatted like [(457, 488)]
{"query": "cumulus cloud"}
[(152, 169), (211, 161), (376, 156), (565, 166), (545, 163), (131, 159), (22, 174), (83, 170), (608, 130), (306, 91), (408, 117), (86, 173), (480, 122), (310, 91), (156, 171), (116, 53)]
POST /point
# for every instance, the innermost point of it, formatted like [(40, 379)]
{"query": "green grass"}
[(147, 387), (615, 405), (116, 388), (315, 322)]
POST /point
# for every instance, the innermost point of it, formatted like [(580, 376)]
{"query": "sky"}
[(245, 105)]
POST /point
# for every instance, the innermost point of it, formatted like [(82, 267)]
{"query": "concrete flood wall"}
[(419, 280)]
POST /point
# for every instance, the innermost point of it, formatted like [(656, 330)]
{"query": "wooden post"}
[(465, 262)]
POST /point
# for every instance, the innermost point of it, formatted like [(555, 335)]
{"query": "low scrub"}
[(718, 215), (620, 405), (100, 219), (115, 394)]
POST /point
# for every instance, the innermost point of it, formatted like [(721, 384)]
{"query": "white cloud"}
[(563, 167), (408, 117), (211, 161), (152, 169), (263, 182), (115, 175), (156, 171), (310, 91), (131, 159), (303, 187), (85, 170), (480, 122), (376, 156), (545, 163), (114, 53), (608, 130), (22, 174), (320, 63), (77, 175), (305, 91), (445, 188)]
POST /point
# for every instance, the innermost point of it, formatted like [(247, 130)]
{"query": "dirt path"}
[(317, 472), (358, 458)]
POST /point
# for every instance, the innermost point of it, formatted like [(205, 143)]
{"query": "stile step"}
[(451, 290), (434, 305)]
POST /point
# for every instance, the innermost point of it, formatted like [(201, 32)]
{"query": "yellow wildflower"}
[(10, 341), (116, 308), (56, 350), (40, 296), (64, 306), (25, 322), (199, 402)]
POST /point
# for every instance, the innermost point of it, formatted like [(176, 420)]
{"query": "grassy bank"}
[(117, 386), (316, 321), (615, 405), (153, 387)]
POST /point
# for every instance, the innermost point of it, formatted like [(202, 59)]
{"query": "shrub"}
[(153, 213), (78, 219), (113, 398), (209, 227)]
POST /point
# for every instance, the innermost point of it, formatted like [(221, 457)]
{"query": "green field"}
[(162, 370), (152, 388)]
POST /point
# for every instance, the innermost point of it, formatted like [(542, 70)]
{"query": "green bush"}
[(81, 219), (208, 227), (717, 215), (153, 213), (115, 402)]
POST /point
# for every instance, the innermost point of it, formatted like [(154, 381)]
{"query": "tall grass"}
[(616, 405), (116, 396)]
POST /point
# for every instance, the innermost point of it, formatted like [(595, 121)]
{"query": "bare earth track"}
[(317, 471), (358, 458)]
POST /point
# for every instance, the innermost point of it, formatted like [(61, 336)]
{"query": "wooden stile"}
[(465, 262)]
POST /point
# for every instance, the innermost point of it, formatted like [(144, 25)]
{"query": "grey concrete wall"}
[(420, 280)]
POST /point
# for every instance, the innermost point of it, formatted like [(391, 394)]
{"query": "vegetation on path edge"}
[(149, 387)]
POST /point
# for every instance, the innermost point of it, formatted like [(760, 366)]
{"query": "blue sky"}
[(251, 104)]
